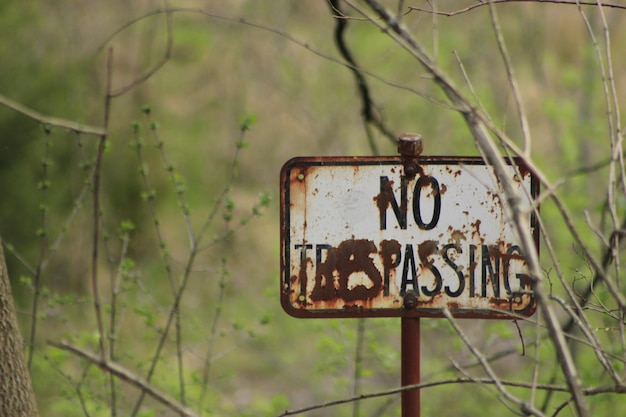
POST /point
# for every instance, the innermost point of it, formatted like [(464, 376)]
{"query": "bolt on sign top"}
[(357, 236)]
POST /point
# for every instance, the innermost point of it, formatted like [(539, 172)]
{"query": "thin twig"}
[(425, 385), (485, 3), (9, 247), (176, 287), (43, 244), (526, 408), (617, 154), (127, 376), (113, 320), (97, 208), (194, 250), (208, 357), (50, 120), (593, 340), (611, 115), (506, 59), (156, 67), (176, 182), (369, 111), (481, 133), (289, 37), (468, 82), (77, 206), (232, 173)]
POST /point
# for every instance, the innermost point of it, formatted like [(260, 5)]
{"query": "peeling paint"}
[(356, 235)]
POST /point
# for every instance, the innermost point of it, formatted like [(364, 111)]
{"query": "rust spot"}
[(425, 250), (390, 253), (425, 181), (301, 279), (500, 303), (332, 280), (476, 226), (494, 251), (512, 256), (457, 236), (453, 305), (383, 200)]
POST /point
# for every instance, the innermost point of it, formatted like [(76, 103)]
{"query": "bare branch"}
[(156, 67), (96, 211), (49, 120), (527, 409), (617, 157), (127, 376), (485, 3), (521, 113), (469, 83), (481, 134), (593, 341), (287, 36), (206, 372), (369, 111), (424, 385)]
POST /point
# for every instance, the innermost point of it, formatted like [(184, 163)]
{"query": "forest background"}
[(202, 105)]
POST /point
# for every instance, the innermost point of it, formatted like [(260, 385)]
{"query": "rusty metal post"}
[(410, 146), (410, 359)]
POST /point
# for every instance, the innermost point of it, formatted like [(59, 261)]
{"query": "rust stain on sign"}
[(357, 236)]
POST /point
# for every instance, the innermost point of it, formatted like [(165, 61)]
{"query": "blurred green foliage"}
[(207, 134)]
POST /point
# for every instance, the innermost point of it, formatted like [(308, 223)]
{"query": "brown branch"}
[(43, 245), (96, 210), (526, 408), (485, 3), (127, 376), (166, 57), (420, 386), (424, 385), (50, 120), (478, 125), (480, 118), (286, 35), (369, 111), (508, 65)]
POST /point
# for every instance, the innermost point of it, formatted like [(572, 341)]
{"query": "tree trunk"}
[(16, 390)]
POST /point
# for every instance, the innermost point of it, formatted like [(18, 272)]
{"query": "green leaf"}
[(248, 121)]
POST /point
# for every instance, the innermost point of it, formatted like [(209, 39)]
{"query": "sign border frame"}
[(309, 161)]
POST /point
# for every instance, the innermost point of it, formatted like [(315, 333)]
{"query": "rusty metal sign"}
[(358, 237)]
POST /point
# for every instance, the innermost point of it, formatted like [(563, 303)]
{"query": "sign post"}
[(410, 147), (410, 356), (403, 236)]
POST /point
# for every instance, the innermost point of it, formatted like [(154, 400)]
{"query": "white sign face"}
[(357, 236)]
